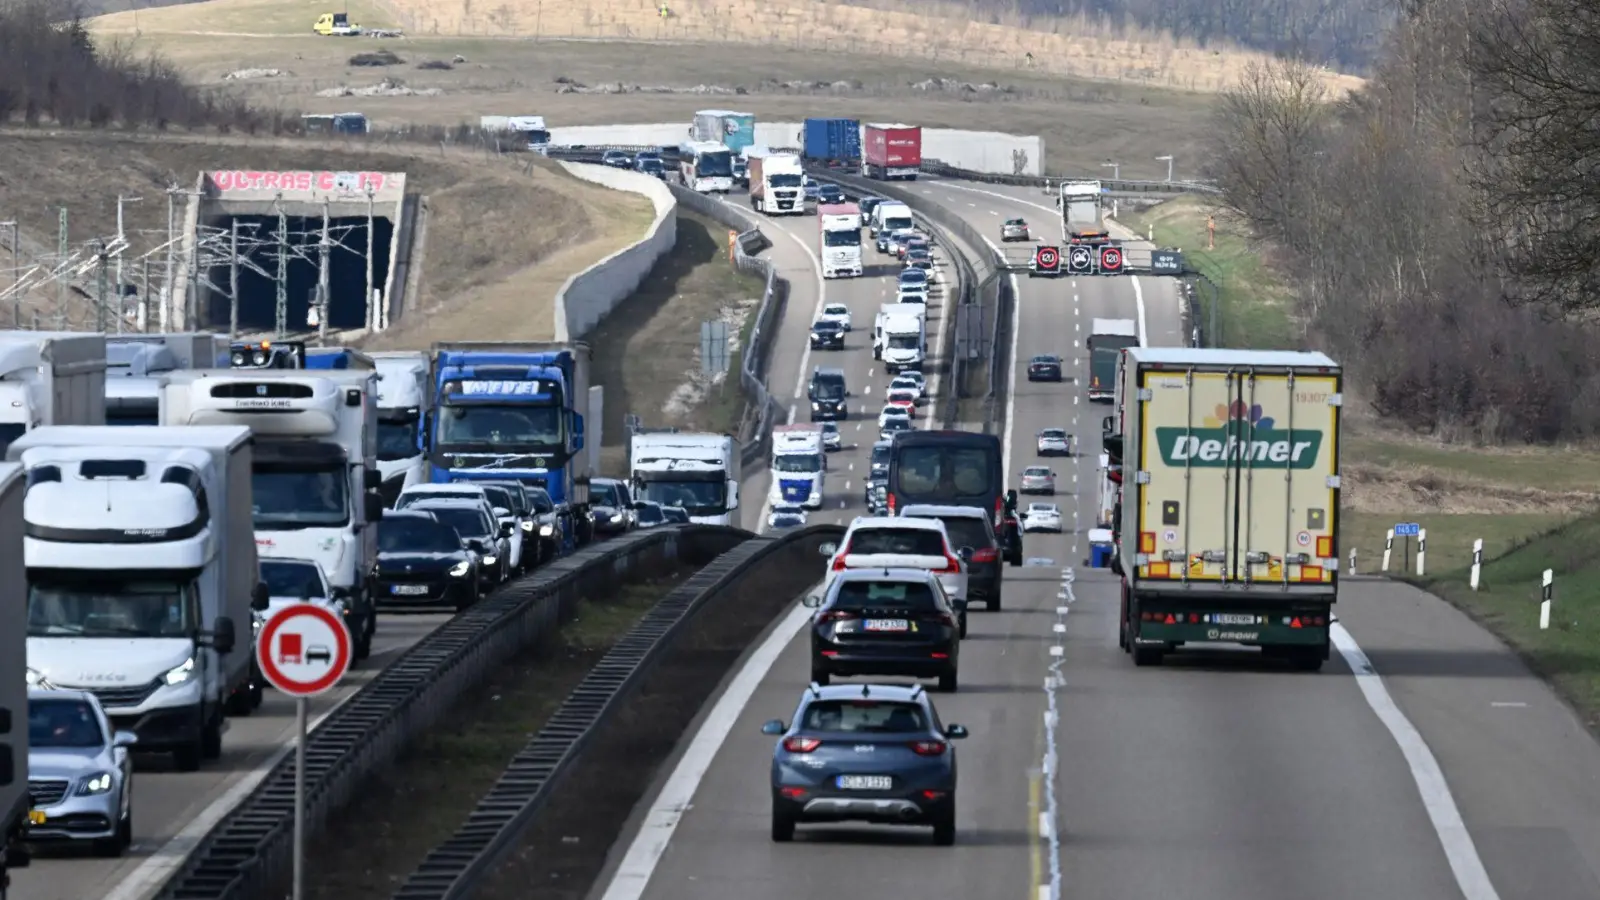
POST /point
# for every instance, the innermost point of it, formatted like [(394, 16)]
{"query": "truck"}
[(136, 362), (888, 217), (335, 24), (314, 469), (142, 576), (699, 472), (50, 378), (519, 410), (891, 152), (530, 130), (776, 183), (799, 466), (1107, 339), (840, 235), (1226, 532), (734, 130), (14, 805), (1082, 211), (405, 406), (831, 142), (900, 336)]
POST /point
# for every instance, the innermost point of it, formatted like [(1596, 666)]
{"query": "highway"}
[(1423, 762)]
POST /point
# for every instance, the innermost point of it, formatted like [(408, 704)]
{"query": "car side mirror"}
[(124, 739), (506, 528), (733, 494), (374, 507), (827, 548), (773, 727), (811, 601), (259, 598), (1116, 566), (955, 732), (222, 635), (1011, 500)]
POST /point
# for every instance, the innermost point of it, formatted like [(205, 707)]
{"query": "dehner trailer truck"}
[(13, 682), (1227, 523)]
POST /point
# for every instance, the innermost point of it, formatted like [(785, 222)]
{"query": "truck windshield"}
[(797, 462), (110, 604), (714, 164), (700, 498), (784, 181), (848, 238), (521, 427), (827, 390), (905, 341), (397, 439), (293, 497)]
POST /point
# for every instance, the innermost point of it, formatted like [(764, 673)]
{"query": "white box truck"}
[(13, 676), (1228, 519), (405, 402), (699, 472), (136, 362), (50, 378), (900, 336), (142, 574)]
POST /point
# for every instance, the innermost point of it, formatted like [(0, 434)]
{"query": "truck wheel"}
[(1122, 623), (361, 643), (1147, 656)]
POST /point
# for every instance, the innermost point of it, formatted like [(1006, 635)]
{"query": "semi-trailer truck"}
[(891, 152), (776, 183), (1227, 525), (799, 466), (405, 405), (831, 142), (1107, 339), (50, 378), (14, 804), (699, 472), (839, 225), (1082, 211), (136, 362)]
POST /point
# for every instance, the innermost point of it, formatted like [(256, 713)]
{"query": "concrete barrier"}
[(590, 295)]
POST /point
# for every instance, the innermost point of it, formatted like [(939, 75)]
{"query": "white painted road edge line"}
[(1459, 849), (677, 795), (1011, 374)]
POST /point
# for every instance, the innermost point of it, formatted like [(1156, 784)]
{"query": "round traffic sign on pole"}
[(303, 649)]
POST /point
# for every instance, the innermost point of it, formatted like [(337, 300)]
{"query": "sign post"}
[(303, 650), (1422, 551), (1407, 530)]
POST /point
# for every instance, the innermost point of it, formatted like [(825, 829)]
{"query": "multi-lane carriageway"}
[(1450, 772)]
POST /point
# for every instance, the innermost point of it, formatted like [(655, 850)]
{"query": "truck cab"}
[(1107, 339), (799, 466), (405, 403), (14, 802), (840, 224), (900, 336), (776, 182), (50, 378), (699, 472)]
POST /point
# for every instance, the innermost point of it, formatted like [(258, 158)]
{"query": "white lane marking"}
[(1011, 375), (639, 863), (1459, 850), (1138, 302), (1006, 197)]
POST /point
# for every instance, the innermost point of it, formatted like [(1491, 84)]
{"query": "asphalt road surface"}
[(1423, 762)]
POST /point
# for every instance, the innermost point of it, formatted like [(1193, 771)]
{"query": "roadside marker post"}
[(1477, 562), (1548, 585), (1388, 548), (1422, 551), (303, 650), (1352, 560)]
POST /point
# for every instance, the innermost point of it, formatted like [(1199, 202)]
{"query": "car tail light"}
[(891, 503), (952, 564), (801, 744), (944, 619), (838, 560), (835, 615), (999, 509), (986, 555), (926, 748)]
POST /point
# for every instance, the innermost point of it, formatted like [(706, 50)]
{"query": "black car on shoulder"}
[(422, 562), (1044, 367), (826, 335)]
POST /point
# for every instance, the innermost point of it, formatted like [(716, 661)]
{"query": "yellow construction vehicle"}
[(332, 24)]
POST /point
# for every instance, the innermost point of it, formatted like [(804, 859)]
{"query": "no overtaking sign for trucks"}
[(303, 650)]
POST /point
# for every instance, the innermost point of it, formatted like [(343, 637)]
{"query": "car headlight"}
[(98, 783), (490, 560), (527, 524), (546, 530), (460, 570), (180, 674)]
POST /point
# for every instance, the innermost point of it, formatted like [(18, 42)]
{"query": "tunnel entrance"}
[(261, 243)]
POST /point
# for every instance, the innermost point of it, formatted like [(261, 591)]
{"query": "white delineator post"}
[(1422, 551), (1352, 561), (1477, 562), (1549, 589), (1388, 548)]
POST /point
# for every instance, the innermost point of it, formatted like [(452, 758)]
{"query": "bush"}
[(437, 65), (376, 58)]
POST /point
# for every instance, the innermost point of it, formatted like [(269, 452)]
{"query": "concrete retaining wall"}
[(590, 295)]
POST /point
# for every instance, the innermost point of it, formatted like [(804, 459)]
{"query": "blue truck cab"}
[(517, 410)]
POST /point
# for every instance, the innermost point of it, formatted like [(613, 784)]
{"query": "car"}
[(617, 159), (80, 774), (829, 394), (911, 379), (831, 438), (877, 499), (505, 510), (919, 258), (836, 312), (903, 396), (1042, 517), (810, 186), (1054, 442), (543, 525), (971, 530), (455, 490), (912, 293), (423, 562), (650, 514), (650, 165), (675, 515), (868, 203), (1038, 480), (830, 193), (877, 753), (290, 581), (1014, 230), (486, 537), (888, 429), (826, 335), (1044, 367), (909, 277), (892, 411), (878, 463), (878, 542), (787, 516), (885, 620), (904, 244), (611, 502), (893, 242)]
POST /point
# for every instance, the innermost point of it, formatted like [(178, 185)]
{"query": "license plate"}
[(886, 625), (36, 817), (864, 782), (409, 589), (1232, 619)]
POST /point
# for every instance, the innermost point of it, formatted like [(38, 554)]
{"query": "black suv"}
[(970, 527), (828, 395), (827, 335), (1045, 367)]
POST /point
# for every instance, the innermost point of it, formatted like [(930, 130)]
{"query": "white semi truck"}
[(50, 378), (799, 466), (1227, 532), (777, 182), (13, 676), (699, 472), (136, 362), (142, 574), (405, 402), (839, 226), (315, 472)]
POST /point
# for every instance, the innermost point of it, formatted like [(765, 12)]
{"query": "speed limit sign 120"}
[(1111, 260)]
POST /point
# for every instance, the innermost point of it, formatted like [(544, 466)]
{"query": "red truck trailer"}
[(891, 152)]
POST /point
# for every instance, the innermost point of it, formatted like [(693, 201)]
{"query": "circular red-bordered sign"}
[(1047, 257), (304, 649), (1111, 258)]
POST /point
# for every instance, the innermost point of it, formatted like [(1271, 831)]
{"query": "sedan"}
[(810, 186), (1015, 230), (1054, 442), (1044, 367), (910, 277), (911, 379), (891, 427), (903, 396), (80, 776), (830, 193), (617, 159), (892, 411), (651, 167), (423, 562), (650, 514), (872, 754), (1038, 480), (826, 335), (919, 258), (837, 313), (480, 533), (1044, 517), (831, 438)]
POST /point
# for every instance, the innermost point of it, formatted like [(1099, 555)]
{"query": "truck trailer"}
[(831, 142), (136, 362), (1226, 527), (14, 804), (50, 378), (405, 404), (776, 183), (1107, 339), (891, 152)]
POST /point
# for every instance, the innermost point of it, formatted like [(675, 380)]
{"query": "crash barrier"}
[(590, 295), (247, 855), (1111, 186), (756, 439), (497, 825)]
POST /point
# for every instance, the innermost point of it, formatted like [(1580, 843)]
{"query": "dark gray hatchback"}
[(970, 527)]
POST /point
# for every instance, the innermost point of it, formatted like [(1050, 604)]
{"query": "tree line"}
[(1441, 227)]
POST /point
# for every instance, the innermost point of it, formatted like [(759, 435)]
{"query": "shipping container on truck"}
[(13, 674), (1229, 514), (1107, 339), (834, 142), (891, 152)]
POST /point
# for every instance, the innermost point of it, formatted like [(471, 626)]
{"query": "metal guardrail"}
[(247, 856), (454, 869)]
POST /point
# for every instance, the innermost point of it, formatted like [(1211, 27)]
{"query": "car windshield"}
[(897, 424), (63, 723), (865, 717), (892, 411), (291, 579), (857, 595), (825, 325), (1044, 359), (880, 455), (836, 310), (499, 496), (827, 389), (1041, 508), (608, 494), (468, 521), (913, 276), (901, 541), (797, 462), (405, 534), (512, 497)]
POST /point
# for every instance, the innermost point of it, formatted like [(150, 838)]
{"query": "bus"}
[(948, 468), (705, 167)]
